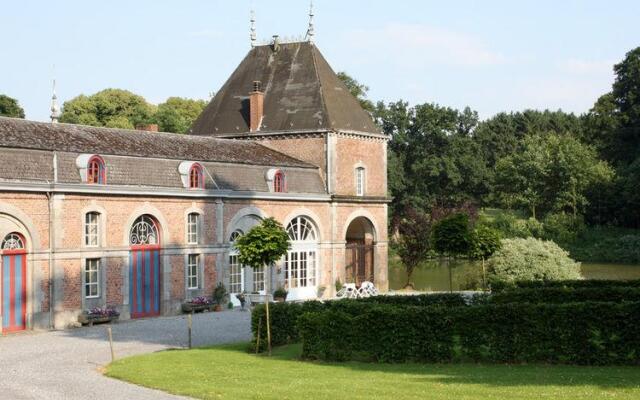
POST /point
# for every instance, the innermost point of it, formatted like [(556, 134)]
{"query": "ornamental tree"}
[(413, 244), (452, 238), (484, 242), (261, 247)]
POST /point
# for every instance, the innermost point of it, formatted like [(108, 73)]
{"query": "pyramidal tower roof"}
[(301, 93)]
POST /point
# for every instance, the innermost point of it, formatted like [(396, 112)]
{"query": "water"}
[(434, 275)]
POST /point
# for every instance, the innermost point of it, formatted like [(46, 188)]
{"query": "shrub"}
[(563, 228), (580, 283), (575, 333), (559, 295), (531, 259)]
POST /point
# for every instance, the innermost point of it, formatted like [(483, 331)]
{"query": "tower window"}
[(196, 180), (360, 181), (279, 182), (91, 229), (192, 228), (96, 173)]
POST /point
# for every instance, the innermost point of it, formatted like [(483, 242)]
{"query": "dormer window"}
[(278, 182), (92, 169), (196, 179), (95, 171)]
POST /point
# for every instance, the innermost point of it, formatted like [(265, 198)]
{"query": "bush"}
[(531, 259), (580, 283), (559, 295), (563, 228), (576, 333)]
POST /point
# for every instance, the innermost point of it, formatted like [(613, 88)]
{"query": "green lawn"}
[(229, 372)]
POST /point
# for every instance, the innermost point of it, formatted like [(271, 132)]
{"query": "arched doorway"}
[(13, 285), (144, 267), (359, 251), (301, 261)]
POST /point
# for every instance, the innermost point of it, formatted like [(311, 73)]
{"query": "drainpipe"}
[(51, 239)]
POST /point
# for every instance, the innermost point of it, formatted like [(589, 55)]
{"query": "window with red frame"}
[(278, 182), (196, 180), (96, 171)]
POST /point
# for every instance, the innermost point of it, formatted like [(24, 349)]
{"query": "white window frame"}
[(193, 269), (301, 260), (88, 235), (259, 284), (89, 263), (193, 231), (236, 274), (361, 179)]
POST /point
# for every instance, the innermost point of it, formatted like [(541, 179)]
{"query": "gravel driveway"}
[(65, 364)]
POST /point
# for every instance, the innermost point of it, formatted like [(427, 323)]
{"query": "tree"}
[(261, 247), (485, 241), (451, 237), (551, 172), (114, 108), (177, 114), (9, 107), (413, 244), (531, 259), (358, 90)]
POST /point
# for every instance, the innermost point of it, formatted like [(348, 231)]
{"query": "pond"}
[(434, 275)]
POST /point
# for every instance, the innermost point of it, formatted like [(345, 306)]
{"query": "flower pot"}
[(217, 307), (194, 308), (280, 299), (86, 319)]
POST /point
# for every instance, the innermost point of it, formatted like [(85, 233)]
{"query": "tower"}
[(55, 109)]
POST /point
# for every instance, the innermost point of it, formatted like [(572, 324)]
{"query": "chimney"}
[(256, 106), (147, 127)]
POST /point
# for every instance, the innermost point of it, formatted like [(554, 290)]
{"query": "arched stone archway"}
[(360, 239)]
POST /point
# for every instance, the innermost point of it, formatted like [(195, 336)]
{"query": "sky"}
[(490, 55)]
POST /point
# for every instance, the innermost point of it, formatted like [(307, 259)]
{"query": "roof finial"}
[(55, 109), (253, 29), (310, 30)]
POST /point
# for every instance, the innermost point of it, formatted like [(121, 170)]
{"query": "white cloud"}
[(425, 44)]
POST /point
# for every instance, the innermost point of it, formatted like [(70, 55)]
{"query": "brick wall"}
[(351, 151)]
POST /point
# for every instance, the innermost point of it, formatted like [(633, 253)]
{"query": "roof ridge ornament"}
[(55, 108), (253, 28), (310, 30)]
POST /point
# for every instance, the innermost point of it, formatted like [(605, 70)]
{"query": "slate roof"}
[(24, 134), (301, 92)]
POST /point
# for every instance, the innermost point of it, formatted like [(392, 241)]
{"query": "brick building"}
[(144, 220)]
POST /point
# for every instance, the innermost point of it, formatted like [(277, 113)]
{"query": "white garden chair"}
[(367, 289), (348, 291)]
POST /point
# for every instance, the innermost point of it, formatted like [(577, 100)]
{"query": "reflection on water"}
[(434, 275)]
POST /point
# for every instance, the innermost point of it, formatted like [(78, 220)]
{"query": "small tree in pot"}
[(280, 294), (262, 246)]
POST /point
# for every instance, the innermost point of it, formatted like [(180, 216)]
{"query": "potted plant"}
[(98, 315), (280, 294), (197, 304), (220, 296)]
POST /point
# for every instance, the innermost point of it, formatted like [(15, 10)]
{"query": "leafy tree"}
[(451, 237), (531, 260), (261, 247), (550, 172), (114, 108), (485, 241), (358, 90), (413, 244), (177, 114), (9, 107)]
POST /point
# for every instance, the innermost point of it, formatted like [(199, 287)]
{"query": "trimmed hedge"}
[(284, 316), (575, 333), (559, 295), (580, 283)]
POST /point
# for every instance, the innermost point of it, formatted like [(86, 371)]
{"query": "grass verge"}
[(230, 372)]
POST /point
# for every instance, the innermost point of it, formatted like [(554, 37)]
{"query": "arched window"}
[(279, 184), (301, 259), (196, 179), (144, 231), (236, 270), (13, 241), (96, 173), (360, 181)]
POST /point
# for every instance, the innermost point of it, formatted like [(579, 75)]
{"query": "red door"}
[(13, 283), (144, 268)]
